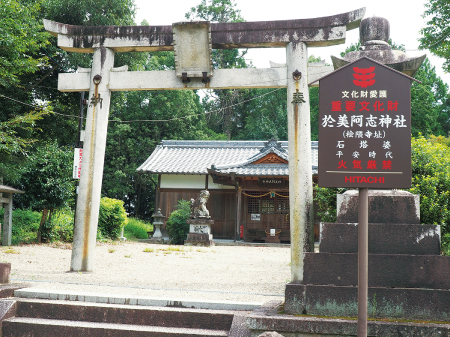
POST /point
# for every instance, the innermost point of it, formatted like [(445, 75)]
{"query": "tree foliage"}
[(139, 121), (21, 36), (225, 104), (435, 35), (46, 178), (430, 103)]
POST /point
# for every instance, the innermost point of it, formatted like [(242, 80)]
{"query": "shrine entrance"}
[(266, 216), (192, 43)]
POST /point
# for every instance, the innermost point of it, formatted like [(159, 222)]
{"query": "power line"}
[(204, 113), (151, 120)]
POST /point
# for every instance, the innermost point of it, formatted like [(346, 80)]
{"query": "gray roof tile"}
[(196, 156)]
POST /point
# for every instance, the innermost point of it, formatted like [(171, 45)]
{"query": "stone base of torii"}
[(294, 35)]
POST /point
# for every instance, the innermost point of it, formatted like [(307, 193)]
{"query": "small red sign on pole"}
[(365, 127), (77, 159)]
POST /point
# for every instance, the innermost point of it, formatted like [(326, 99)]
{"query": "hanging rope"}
[(276, 233), (271, 193)]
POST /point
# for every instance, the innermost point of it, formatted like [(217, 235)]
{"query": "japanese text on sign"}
[(365, 127)]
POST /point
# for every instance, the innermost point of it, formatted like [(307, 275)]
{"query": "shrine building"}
[(248, 183)]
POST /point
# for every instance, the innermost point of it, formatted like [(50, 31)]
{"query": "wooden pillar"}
[(158, 195), (7, 222), (238, 211), (300, 169)]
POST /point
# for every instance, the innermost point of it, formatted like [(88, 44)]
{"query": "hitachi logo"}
[(367, 180)]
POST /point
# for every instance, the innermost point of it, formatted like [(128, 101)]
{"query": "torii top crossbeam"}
[(323, 31)]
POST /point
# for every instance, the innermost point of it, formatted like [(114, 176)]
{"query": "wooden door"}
[(264, 212)]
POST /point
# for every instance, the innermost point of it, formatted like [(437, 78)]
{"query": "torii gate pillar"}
[(88, 204), (300, 169)]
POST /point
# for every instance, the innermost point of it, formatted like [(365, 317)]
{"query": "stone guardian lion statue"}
[(198, 206)]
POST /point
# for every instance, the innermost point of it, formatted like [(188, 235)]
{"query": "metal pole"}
[(363, 260)]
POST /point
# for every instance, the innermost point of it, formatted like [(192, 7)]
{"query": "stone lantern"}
[(374, 34), (157, 223)]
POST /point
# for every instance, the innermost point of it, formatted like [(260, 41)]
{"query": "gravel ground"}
[(231, 273)]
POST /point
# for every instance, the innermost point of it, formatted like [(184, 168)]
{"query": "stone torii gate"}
[(192, 43)]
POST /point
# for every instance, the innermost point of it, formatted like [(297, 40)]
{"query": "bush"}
[(25, 224), (325, 200), (62, 225), (137, 229), (112, 217), (177, 225)]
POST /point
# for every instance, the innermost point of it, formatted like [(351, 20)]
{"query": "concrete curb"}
[(134, 300)]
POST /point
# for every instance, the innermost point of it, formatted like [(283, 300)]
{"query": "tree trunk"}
[(41, 225)]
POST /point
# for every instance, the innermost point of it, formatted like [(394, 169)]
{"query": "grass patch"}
[(137, 229), (170, 249), (10, 250), (148, 250)]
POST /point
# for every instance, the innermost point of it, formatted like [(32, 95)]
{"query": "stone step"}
[(302, 325), (385, 270), (78, 296), (125, 314), (38, 327), (414, 239), (393, 303)]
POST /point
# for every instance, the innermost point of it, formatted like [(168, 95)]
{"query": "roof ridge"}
[(217, 143)]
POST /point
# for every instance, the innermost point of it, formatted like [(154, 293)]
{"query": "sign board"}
[(272, 182), (255, 217), (77, 159), (365, 127)]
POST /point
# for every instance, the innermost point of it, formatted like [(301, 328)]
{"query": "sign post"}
[(365, 142)]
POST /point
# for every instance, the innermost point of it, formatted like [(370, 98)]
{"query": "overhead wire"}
[(155, 120)]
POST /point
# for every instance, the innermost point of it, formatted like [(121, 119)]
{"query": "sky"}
[(404, 18)]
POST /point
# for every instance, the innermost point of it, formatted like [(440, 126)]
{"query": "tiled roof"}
[(196, 156)]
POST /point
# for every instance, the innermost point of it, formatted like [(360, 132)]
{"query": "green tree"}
[(21, 36), (46, 178), (314, 103), (430, 103), (44, 83), (139, 121), (225, 104), (437, 30)]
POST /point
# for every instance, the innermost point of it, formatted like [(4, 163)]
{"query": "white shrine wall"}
[(190, 181)]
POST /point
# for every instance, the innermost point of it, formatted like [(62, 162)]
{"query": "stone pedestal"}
[(408, 278), (385, 206), (157, 235), (200, 232)]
